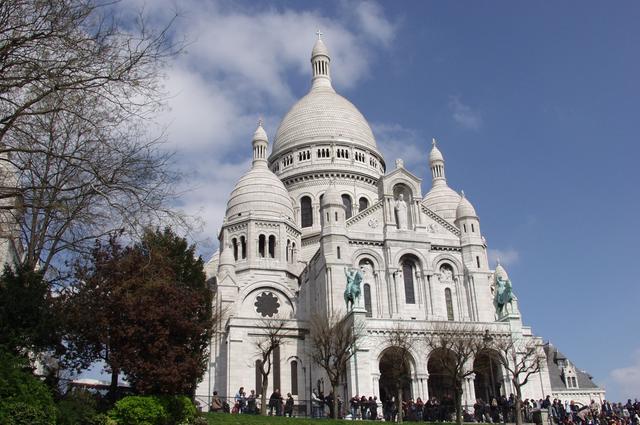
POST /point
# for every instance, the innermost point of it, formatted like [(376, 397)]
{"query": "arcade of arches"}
[(487, 376)]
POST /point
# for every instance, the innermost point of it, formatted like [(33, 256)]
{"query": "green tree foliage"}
[(23, 398), (145, 310), (27, 316)]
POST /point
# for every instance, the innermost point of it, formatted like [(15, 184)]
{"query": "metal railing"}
[(369, 411)]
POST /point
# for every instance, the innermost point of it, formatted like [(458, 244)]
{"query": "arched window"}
[(272, 246), (449, 302), (243, 247), (294, 378), (293, 252), (338, 252), (258, 376), (234, 241), (367, 299), (408, 268), (346, 201), (306, 212), (288, 249), (262, 241), (363, 203)]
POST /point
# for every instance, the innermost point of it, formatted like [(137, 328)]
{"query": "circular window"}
[(267, 304)]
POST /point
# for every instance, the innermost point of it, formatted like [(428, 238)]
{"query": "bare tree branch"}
[(333, 341), (275, 333), (455, 345), (522, 358), (77, 160)]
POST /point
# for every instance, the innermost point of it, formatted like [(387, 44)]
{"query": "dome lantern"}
[(260, 144), (320, 60), (436, 163)]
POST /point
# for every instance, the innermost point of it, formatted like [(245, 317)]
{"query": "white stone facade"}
[(322, 201)]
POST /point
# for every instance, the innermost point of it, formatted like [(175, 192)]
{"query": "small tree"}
[(333, 342), (458, 344), (146, 311), (398, 358), (28, 319), (275, 332), (521, 358)]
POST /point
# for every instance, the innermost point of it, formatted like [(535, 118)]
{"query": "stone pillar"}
[(469, 396), (375, 382), (423, 386), (317, 223)]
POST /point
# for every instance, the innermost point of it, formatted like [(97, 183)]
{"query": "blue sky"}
[(534, 105)]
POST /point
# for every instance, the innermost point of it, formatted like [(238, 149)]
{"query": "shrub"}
[(180, 409), (139, 410), (20, 413), (78, 408), (24, 399)]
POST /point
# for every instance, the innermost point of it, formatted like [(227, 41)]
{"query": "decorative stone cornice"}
[(362, 214), (441, 221)]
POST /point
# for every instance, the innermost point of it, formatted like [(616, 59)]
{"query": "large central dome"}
[(323, 115)]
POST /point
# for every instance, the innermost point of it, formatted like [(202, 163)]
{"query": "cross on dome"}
[(319, 34)]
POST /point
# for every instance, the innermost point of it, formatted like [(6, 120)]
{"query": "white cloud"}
[(397, 142), (627, 379), (373, 22), (238, 65), (507, 257), (464, 115)]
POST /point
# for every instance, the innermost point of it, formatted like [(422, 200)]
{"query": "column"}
[(317, 223), (469, 397), (423, 386), (375, 382)]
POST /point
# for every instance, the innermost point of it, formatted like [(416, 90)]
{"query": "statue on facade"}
[(401, 212), (352, 291), (503, 295)]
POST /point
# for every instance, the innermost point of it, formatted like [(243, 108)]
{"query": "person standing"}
[(288, 406)]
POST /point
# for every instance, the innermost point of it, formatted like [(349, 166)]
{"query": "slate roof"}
[(585, 381)]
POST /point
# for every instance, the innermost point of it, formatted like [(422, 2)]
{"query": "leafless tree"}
[(275, 335), (333, 341), (77, 160), (455, 345), (397, 360), (52, 47), (521, 358)]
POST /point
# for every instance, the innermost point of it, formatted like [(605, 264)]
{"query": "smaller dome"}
[(319, 49), (260, 192), (331, 196), (435, 154), (442, 200), (465, 209)]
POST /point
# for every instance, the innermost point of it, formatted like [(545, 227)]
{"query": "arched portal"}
[(487, 369), (441, 383), (395, 374)]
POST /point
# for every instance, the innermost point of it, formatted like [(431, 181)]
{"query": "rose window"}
[(267, 304)]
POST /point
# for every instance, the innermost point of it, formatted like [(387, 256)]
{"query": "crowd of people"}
[(249, 404), (497, 410)]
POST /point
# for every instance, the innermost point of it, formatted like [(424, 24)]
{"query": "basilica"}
[(322, 200)]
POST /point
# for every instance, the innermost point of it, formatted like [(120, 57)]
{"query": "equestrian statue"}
[(352, 291)]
